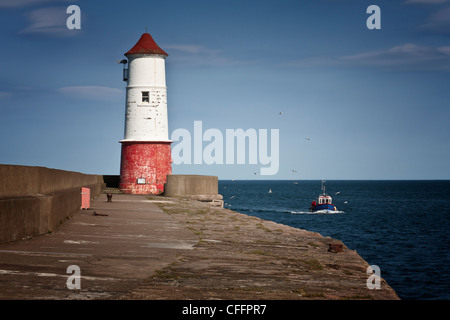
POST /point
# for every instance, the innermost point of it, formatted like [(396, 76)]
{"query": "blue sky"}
[(374, 103)]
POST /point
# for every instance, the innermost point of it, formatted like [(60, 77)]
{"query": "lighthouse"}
[(146, 150)]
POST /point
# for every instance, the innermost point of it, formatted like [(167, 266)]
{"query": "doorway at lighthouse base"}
[(144, 166)]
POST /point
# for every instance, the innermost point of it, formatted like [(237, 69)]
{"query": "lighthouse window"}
[(145, 96)]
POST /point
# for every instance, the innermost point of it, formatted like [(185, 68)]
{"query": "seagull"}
[(255, 173), (337, 193), (294, 171), (308, 138), (345, 202), (281, 113)]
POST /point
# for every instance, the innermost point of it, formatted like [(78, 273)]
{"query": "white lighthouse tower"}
[(146, 151)]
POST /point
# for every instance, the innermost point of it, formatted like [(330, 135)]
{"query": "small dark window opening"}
[(145, 96)]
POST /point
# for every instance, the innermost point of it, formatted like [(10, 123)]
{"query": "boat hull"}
[(324, 206)]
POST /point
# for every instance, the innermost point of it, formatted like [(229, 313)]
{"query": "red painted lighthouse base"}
[(144, 166)]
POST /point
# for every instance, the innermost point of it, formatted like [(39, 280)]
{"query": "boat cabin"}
[(324, 199)]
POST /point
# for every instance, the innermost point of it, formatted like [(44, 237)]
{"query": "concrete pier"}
[(137, 247), (117, 245)]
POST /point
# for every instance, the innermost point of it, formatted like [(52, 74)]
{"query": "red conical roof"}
[(146, 45)]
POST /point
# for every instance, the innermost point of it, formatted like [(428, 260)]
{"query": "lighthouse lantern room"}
[(146, 150)]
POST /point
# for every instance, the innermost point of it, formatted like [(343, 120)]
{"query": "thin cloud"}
[(5, 94), (98, 93), (189, 48), (47, 21), (311, 62), (197, 55), (405, 57), (26, 3), (408, 56), (438, 23), (426, 1), (15, 91)]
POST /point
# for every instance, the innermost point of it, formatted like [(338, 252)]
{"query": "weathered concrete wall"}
[(18, 181), (36, 200), (204, 188)]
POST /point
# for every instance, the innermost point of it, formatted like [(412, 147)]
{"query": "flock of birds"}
[(307, 138), (292, 170), (270, 190)]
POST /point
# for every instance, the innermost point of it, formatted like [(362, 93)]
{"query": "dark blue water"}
[(401, 226)]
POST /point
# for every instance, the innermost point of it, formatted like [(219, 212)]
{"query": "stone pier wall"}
[(37, 200), (197, 187)]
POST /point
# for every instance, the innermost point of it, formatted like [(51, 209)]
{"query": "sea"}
[(400, 226)]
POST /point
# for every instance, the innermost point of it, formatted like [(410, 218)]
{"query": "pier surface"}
[(138, 247)]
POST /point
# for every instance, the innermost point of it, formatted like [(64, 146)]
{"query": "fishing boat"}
[(323, 203)]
